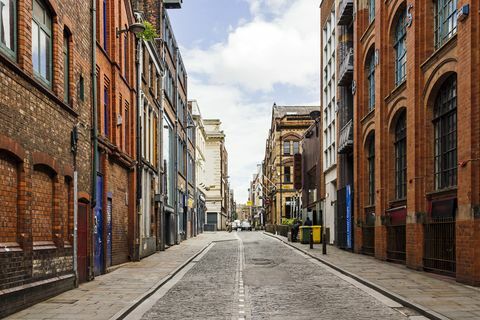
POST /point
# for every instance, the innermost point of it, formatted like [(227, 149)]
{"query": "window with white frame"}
[(329, 91)]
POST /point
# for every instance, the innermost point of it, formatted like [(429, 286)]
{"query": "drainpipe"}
[(74, 144), (94, 116), (139, 60)]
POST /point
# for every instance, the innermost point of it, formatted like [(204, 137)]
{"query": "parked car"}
[(246, 225)]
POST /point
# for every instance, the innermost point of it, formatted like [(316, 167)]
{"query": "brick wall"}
[(36, 157), (427, 68)]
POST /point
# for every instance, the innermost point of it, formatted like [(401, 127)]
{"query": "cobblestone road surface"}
[(257, 277)]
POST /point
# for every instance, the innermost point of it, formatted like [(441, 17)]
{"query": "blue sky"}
[(242, 56)]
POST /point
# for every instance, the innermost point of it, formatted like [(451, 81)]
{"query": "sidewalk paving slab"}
[(442, 296), (109, 295)]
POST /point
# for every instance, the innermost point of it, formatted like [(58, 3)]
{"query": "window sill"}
[(438, 53), (368, 116), (396, 91), (43, 245), (443, 193), (368, 31), (7, 247), (37, 84)]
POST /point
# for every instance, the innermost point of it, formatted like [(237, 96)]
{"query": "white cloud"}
[(236, 80)]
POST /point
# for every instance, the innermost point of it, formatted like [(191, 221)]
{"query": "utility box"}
[(172, 4)]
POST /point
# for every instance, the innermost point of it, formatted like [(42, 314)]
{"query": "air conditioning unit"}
[(172, 4)]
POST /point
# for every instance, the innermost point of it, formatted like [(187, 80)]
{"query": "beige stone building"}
[(288, 126), (216, 178)]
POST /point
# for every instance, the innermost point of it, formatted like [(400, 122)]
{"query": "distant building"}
[(288, 126), (216, 175)]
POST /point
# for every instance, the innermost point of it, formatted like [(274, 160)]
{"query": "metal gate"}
[(439, 238), (109, 231), (82, 231), (396, 235)]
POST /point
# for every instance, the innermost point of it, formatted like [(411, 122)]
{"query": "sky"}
[(241, 56)]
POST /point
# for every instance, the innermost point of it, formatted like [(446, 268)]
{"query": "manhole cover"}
[(261, 261)]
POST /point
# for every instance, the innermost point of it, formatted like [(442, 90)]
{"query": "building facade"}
[(288, 126), (344, 68), (417, 134), (329, 107), (216, 175), (115, 227), (45, 144)]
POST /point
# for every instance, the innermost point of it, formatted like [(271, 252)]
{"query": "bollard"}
[(311, 238)]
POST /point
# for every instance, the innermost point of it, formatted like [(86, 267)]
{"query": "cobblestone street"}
[(257, 277)]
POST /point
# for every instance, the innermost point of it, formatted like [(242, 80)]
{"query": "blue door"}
[(109, 230), (98, 228)]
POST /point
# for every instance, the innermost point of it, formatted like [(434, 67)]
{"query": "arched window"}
[(8, 198), (371, 10), (8, 26), (371, 170), (445, 20), (42, 42), (445, 132), (400, 47), (401, 157), (371, 82)]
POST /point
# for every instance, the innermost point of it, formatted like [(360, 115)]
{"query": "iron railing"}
[(345, 12), (439, 245), (396, 243), (346, 66)]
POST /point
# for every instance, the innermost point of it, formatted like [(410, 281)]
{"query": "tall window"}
[(287, 177), (296, 147), (127, 128), (8, 26), (400, 47), (42, 42), (371, 170), (445, 21), (105, 25), (401, 157), (66, 67), (106, 113), (371, 81), (286, 147), (125, 55), (371, 10), (445, 131)]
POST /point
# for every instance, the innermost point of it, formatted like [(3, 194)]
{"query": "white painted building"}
[(329, 88)]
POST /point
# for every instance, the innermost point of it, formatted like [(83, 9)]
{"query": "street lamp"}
[(134, 28), (315, 115)]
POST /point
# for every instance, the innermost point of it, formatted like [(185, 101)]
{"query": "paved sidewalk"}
[(109, 294), (442, 295)]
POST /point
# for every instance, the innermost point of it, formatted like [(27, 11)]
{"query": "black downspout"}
[(176, 216), (94, 126), (136, 240)]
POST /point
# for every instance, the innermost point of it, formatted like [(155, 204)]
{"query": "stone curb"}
[(128, 309), (396, 297)]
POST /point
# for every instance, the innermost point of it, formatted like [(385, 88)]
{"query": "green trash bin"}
[(305, 234)]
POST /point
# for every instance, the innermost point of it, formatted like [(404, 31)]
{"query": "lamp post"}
[(315, 115)]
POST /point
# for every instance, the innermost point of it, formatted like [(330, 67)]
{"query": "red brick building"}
[(416, 133), (115, 234), (45, 68)]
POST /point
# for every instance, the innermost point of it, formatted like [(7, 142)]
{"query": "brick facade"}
[(428, 68), (36, 161)]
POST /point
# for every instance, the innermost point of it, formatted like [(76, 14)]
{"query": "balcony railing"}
[(345, 12), (346, 68), (346, 138)]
